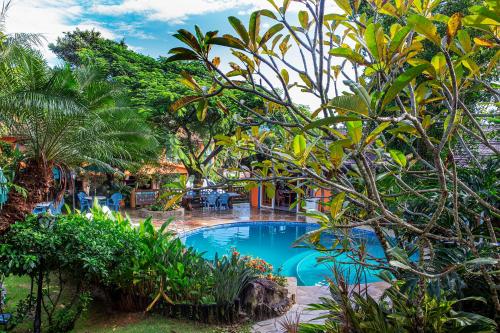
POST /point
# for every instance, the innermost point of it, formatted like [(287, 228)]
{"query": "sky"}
[(146, 26)]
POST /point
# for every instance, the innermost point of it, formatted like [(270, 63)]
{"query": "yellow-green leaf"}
[(355, 130), (201, 110), (376, 132), (401, 82), (336, 205), (285, 76), (424, 27), (398, 157), (303, 19), (345, 5), (183, 101), (453, 25), (464, 39), (299, 144), (346, 52), (374, 38)]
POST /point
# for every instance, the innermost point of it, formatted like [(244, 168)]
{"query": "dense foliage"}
[(407, 97), (154, 84), (63, 117), (135, 268)]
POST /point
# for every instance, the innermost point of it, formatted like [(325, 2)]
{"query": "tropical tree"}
[(390, 131), (188, 133), (65, 117)]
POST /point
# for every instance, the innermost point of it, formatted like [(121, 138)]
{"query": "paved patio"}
[(198, 218)]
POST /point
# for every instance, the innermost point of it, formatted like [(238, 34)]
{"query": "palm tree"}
[(64, 117)]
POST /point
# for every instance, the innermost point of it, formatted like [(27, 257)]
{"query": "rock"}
[(263, 299)]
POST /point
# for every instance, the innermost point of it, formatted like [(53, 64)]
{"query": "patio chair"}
[(114, 201), (84, 204), (4, 319), (39, 210), (224, 201), (56, 209), (212, 200)]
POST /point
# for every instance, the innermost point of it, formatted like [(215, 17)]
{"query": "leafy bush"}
[(355, 311), (136, 267), (230, 275), (56, 250)]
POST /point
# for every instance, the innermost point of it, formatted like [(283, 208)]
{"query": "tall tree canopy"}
[(154, 84)]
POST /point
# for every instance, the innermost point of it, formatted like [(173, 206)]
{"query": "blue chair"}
[(4, 319), (212, 200), (56, 209), (224, 201), (40, 210), (84, 204), (114, 201)]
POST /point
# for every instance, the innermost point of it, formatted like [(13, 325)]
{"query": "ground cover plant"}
[(406, 94), (69, 260)]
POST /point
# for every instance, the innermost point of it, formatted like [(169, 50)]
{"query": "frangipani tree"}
[(390, 128)]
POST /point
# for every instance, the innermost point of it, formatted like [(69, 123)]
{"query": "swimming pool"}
[(272, 241)]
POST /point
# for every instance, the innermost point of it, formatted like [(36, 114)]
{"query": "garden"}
[(397, 152)]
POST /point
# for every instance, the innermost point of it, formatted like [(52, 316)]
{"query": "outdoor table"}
[(100, 199), (44, 206)]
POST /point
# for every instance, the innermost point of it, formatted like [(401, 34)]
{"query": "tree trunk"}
[(37, 323), (37, 180)]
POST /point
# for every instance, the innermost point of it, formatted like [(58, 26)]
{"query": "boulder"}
[(263, 299)]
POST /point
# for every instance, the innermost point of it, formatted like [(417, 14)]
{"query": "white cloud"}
[(176, 12), (50, 18)]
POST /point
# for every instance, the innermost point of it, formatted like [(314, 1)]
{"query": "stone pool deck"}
[(304, 295), (199, 218)]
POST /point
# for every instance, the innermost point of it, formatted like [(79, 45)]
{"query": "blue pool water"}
[(272, 241)]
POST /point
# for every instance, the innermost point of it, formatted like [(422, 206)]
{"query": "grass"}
[(98, 319)]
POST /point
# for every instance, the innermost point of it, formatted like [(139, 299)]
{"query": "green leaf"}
[(268, 13), (424, 27), (285, 76), (183, 101), (254, 27), (376, 132), (374, 38), (398, 157), (349, 103), (350, 54), (270, 33), (398, 38), (303, 19), (337, 152), (345, 5), (399, 264), (355, 130), (329, 121), (299, 144), (202, 109), (240, 29), (336, 205), (229, 41), (401, 82), (306, 80), (181, 53)]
